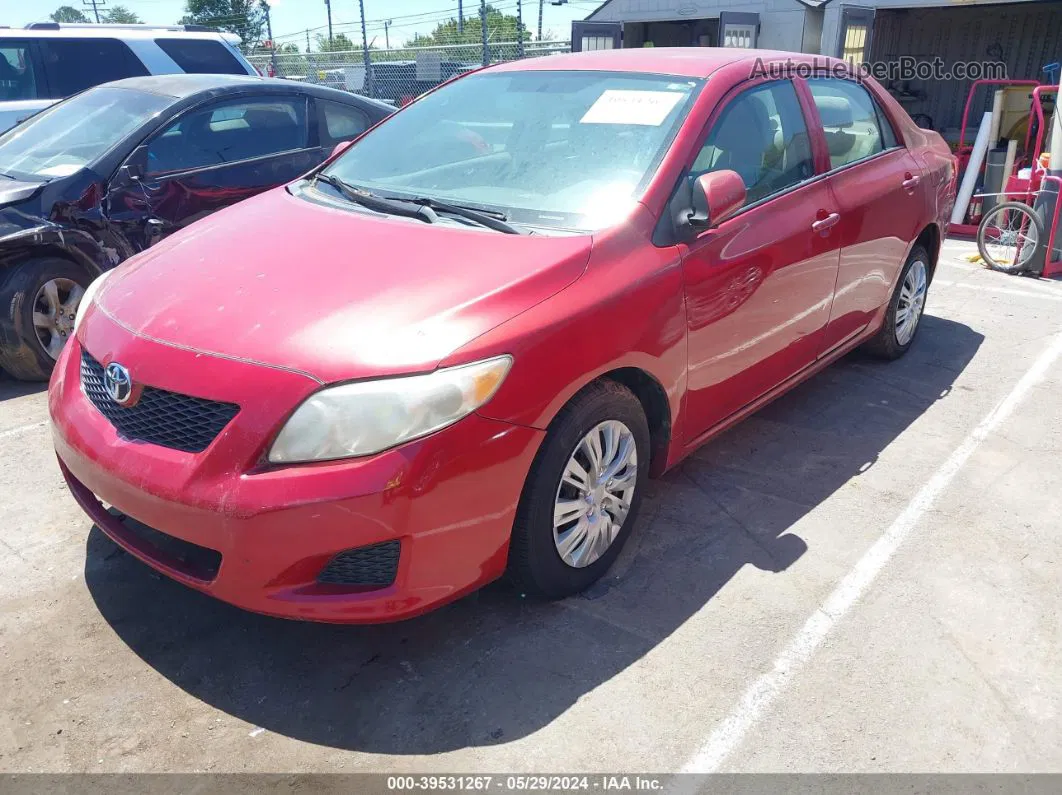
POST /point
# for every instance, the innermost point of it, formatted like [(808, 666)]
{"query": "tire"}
[(535, 562), (889, 343), (22, 353), (1017, 218)]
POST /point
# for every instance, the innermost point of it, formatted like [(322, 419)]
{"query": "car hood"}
[(13, 191), (335, 293)]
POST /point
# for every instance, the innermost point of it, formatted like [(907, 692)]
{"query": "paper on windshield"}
[(618, 106)]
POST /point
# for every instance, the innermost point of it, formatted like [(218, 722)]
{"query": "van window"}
[(201, 56), (18, 79), (73, 65), (229, 132)]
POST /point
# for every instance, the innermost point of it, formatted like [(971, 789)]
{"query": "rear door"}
[(72, 65), (873, 181), (759, 285), (210, 157)]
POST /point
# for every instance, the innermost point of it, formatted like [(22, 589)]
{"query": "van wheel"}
[(38, 302), (583, 493), (906, 306)]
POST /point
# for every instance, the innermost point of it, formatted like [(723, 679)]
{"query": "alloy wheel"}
[(54, 310)]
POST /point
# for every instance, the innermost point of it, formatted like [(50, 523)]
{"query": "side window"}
[(227, 132), (341, 122), (76, 64), (849, 119), (18, 78), (201, 56), (762, 136)]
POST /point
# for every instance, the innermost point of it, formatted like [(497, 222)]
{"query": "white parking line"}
[(1048, 295), (729, 734), (22, 429)]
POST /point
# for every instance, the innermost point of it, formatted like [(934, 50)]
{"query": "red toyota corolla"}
[(462, 346)]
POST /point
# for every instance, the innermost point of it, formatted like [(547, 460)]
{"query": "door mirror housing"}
[(717, 195), (340, 148), (129, 173)]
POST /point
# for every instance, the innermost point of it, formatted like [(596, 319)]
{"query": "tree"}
[(500, 28), (68, 14), (288, 49), (245, 18), (120, 15), (339, 43)]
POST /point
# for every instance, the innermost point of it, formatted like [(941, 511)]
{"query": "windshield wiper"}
[(491, 220), (377, 203)]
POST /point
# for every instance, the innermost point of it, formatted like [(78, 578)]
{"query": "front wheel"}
[(1008, 236), (904, 312), (583, 493), (38, 302)]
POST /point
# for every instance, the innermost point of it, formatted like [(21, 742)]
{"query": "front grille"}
[(375, 565), (168, 419)]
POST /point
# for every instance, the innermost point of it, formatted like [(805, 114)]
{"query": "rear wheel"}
[(38, 303), (583, 493), (904, 313), (1009, 235)]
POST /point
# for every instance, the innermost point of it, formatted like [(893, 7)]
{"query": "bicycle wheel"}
[(1009, 235)]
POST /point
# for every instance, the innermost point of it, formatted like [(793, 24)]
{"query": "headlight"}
[(369, 416), (89, 297)]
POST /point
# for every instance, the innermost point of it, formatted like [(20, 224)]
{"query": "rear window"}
[(73, 65), (201, 57)]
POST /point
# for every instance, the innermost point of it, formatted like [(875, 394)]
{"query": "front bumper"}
[(449, 499)]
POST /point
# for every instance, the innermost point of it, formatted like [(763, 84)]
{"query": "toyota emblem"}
[(118, 384)]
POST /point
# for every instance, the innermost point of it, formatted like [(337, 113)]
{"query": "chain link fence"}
[(396, 75)]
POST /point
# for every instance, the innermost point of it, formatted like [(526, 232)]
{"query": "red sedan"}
[(459, 348)]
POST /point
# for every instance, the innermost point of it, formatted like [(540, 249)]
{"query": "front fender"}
[(52, 239)]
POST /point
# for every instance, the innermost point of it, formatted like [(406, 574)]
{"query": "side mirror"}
[(339, 148), (717, 195), (129, 173)]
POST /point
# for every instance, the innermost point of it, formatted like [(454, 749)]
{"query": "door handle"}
[(910, 182), (823, 224)]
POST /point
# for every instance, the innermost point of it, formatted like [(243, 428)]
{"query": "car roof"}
[(108, 31), (678, 61), (181, 86)]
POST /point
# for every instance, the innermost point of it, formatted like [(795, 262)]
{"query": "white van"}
[(48, 61)]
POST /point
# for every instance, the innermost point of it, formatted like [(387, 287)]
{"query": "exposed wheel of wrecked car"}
[(39, 301)]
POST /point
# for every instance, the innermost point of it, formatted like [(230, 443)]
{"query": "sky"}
[(291, 18)]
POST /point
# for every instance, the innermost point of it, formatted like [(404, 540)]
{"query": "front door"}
[(213, 156), (873, 181), (588, 36), (759, 285)]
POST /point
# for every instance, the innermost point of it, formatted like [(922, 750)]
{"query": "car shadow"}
[(10, 388), (495, 667)]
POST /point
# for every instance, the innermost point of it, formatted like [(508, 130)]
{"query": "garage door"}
[(1024, 36)]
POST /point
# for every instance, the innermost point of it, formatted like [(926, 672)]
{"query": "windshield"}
[(557, 149), (73, 134)]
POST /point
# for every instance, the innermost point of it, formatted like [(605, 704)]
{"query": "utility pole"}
[(328, 8), (269, 33), (307, 39), (460, 17), (387, 39), (519, 29), (483, 30), (95, 7), (365, 50), (540, 3)]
